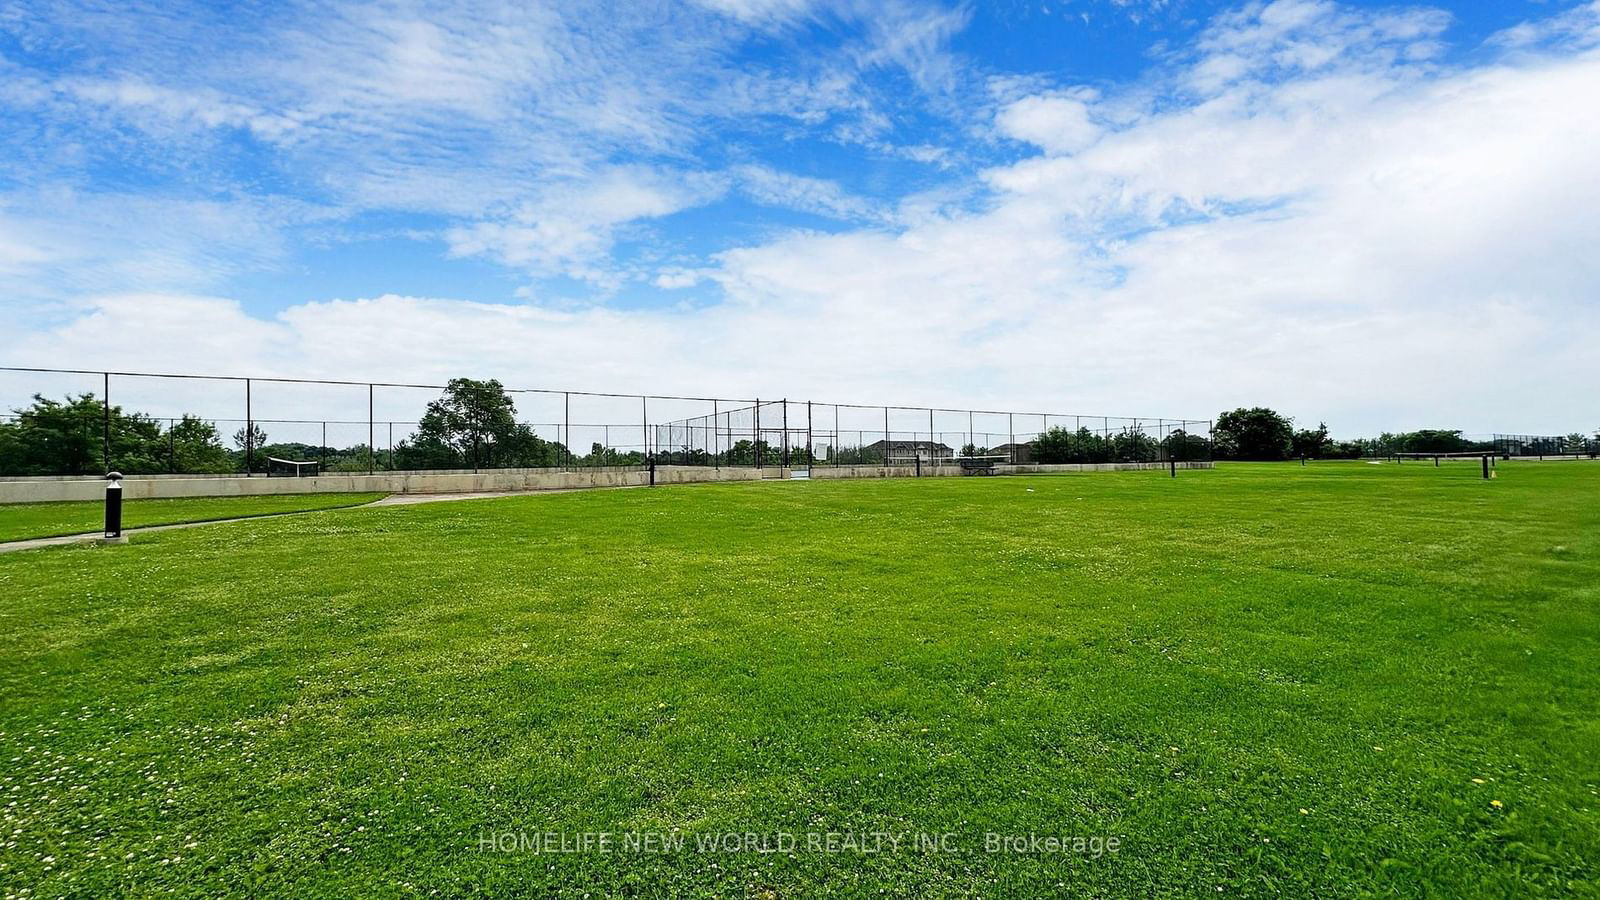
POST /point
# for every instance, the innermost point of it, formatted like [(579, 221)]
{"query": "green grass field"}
[(20, 521), (1333, 680)]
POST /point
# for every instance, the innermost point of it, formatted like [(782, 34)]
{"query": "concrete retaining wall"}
[(135, 487)]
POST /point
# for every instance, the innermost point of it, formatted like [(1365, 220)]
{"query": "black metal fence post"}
[(566, 414), (105, 422), (371, 434), (756, 443), (249, 432), (786, 432), (809, 445)]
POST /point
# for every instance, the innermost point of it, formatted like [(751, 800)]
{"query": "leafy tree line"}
[(1259, 433), (1263, 434), (473, 425), (1064, 445), (68, 438)]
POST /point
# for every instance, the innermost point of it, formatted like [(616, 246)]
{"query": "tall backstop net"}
[(808, 433)]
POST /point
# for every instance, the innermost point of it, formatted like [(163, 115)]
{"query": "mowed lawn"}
[(1324, 681), (21, 521)]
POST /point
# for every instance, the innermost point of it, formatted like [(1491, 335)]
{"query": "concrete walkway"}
[(391, 500)]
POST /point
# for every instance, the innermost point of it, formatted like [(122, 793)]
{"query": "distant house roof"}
[(913, 445)]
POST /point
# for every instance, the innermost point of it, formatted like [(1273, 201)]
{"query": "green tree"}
[(476, 422), (1182, 445), (1312, 444), (1053, 445), (1132, 445), (69, 438), (1255, 433), (54, 438), (257, 437), (1433, 440), (1060, 445), (195, 447)]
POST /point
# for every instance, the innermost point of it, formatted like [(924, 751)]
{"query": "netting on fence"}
[(1513, 446), (842, 434)]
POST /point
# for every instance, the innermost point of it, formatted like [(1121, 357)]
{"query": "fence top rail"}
[(1158, 420), (391, 384)]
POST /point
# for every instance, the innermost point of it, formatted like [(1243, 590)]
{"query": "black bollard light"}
[(114, 505)]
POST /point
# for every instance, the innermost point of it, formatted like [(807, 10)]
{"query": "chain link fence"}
[(809, 433), (66, 422), (1542, 446)]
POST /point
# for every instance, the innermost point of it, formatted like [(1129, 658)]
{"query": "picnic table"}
[(979, 465)]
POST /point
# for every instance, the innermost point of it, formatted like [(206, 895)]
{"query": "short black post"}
[(919, 465), (1486, 466), (1174, 463), (652, 471), (113, 505)]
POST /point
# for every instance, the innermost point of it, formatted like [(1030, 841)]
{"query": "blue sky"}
[(1346, 210)]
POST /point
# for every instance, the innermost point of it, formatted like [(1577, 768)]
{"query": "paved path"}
[(391, 500)]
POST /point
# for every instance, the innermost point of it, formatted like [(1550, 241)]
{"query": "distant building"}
[(913, 449), (1017, 453)]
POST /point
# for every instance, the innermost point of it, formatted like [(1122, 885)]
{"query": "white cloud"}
[(1307, 208), (1058, 123), (571, 228), (676, 278), (59, 243), (766, 13), (798, 192), (163, 107)]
